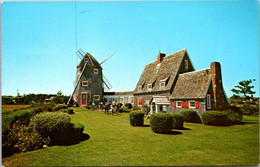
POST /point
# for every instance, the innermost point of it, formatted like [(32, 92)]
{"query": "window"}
[(208, 102), (139, 88), (95, 71), (162, 84), (97, 97), (140, 102), (178, 104), (186, 64), (192, 104), (149, 87), (85, 83), (86, 60)]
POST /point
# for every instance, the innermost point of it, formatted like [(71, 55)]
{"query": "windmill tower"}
[(90, 82)]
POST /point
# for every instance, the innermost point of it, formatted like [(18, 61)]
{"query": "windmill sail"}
[(107, 85)]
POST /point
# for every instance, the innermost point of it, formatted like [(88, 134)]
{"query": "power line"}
[(76, 31)]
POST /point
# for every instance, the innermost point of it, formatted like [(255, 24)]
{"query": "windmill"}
[(90, 82)]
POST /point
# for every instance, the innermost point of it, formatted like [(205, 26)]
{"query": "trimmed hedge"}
[(218, 118), (235, 117), (161, 122), (136, 118), (50, 125), (128, 105), (59, 107), (178, 120), (190, 115), (68, 111)]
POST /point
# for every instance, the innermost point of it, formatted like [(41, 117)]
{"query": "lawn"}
[(113, 142)]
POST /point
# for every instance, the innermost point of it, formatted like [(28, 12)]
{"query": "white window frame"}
[(95, 71), (208, 102), (86, 59), (140, 102), (192, 101), (85, 83), (162, 86), (149, 87), (96, 98), (186, 64), (178, 106), (139, 88)]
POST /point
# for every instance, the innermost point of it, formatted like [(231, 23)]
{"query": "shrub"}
[(128, 105), (177, 121), (50, 125), (136, 118), (68, 111), (88, 107), (215, 118), (234, 115), (190, 115), (59, 107), (137, 108), (250, 109), (43, 107), (161, 122)]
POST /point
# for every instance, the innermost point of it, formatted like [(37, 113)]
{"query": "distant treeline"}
[(58, 98)]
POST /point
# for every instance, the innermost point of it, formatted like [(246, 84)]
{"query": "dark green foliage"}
[(218, 118), (178, 120), (119, 105), (250, 109), (137, 108), (128, 105), (68, 111), (50, 124), (59, 107), (190, 115), (38, 108), (234, 115), (136, 118), (161, 122), (7, 100), (88, 107)]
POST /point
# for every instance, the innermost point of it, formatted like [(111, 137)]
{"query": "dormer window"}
[(139, 88), (149, 87), (186, 64), (162, 84)]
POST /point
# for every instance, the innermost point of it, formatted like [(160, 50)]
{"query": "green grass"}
[(113, 142)]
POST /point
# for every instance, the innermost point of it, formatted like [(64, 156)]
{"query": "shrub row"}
[(161, 122), (59, 107), (68, 111), (190, 115)]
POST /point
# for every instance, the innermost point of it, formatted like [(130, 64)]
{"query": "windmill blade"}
[(107, 59), (80, 53), (107, 85)]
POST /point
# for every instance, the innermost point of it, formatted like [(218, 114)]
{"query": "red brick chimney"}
[(218, 91), (160, 57)]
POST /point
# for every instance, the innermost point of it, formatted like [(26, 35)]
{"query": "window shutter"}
[(167, 98), (92, 97), (93, 70), (136, 102), (196, 104), (98, 71), (142, 102), (81, 83), (182, 104), (88, 83), (187, 104), (100, 98), (174, 104)]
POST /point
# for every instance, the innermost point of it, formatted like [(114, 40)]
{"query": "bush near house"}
[(68, 111), (125, 110), (128, 105), (50, 125), (136, 118), (190, 115), (161, 122), (218, 118), (137, 108), (59, 107), (250, 109), (178, 120), (234, 114)]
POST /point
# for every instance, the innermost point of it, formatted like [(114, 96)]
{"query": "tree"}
[(245, 89)]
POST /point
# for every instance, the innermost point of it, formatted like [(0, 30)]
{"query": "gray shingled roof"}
[(167, 69), (88, 55), (192, 85)]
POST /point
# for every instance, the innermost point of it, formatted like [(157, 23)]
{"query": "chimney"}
[(160, 57), (218, 91)]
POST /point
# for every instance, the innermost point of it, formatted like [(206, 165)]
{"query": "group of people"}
[(106, 106)]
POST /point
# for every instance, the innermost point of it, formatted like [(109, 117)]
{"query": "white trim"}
[(139, 88), (85, 83), (186, 62), (194, 104), (177, 106), (86, 60), (98, 97), (160, 84)]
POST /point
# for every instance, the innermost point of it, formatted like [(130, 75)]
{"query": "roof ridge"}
[(195, 71)]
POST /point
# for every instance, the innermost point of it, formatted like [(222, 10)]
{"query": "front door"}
[(84, 99)]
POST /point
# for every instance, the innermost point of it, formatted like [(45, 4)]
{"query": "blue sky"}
[(38, 40)]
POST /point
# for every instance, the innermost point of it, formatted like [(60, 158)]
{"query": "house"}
[(174, 78), (169, 84)]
